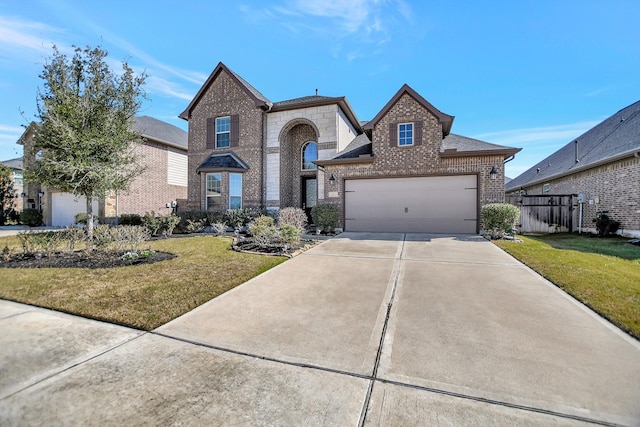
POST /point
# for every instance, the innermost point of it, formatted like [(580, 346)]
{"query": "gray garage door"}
[(442, 204)]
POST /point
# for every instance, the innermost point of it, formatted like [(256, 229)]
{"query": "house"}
[(601, 168), (402, 171), (163, 184), (17, 177)]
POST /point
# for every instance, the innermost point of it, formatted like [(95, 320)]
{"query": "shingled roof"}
[(161, 131), (227, 161), (457, 146), (13, 163), (316, 101), (615, 138), (359, 150)]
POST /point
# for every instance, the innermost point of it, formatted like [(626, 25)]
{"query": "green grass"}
[(603, 273), (141, 296)]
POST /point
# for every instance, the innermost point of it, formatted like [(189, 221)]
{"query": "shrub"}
[(130, 219), (187, 216), (133, 236), (152, 223), (219, 227), (169, 223), (72, 236), (195, 226), (605, 225), (80, 218), (293, 216), (215, 217), (499, 219), (326, 216), (102, 236), (289, 233), (263, 230), (31, 217)]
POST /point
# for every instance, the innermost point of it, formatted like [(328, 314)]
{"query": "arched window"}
[(309, 154)]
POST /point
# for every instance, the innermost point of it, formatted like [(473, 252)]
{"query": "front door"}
[(309, 195)]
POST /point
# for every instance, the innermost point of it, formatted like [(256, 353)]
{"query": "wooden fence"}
[(545, 214)]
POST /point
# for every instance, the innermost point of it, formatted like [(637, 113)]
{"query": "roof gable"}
[(317, 101), (226, 161), (445, 119), (616, 137), (258, 98)]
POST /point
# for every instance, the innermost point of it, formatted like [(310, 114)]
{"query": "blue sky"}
[(529, 74)]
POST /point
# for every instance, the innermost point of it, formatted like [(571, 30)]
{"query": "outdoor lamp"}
[(494, 173), (332, 180)]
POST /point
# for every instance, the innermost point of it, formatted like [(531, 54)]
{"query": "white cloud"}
[(16, 33), (540, 135), (156, 84)]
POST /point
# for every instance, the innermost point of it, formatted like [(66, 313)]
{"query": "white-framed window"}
[(309, 154), (405, 134), (214, 189), (545, 188), (235, 191), (18, 177), (223, 132)]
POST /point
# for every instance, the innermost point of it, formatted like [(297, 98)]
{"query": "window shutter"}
[(234, 134), (417, 133), (393, 134), (211, 132)]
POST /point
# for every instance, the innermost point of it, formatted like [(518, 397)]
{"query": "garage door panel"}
[(64, 207), (445, 204)]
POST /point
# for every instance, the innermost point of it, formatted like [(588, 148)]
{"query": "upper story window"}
[(223, 132), (309, 154), (545, 188), (405, 134), (18, 178)]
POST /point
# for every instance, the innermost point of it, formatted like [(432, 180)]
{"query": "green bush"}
[(499, 219), (605, 225), (326, 216), (31, 217), (289, 233), (193, 217), (80, 218), (263, 230), (130, 219)]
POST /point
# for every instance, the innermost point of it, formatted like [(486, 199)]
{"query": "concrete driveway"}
[(364, 329)]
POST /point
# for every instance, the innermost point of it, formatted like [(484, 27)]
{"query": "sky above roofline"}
[(524, 74)]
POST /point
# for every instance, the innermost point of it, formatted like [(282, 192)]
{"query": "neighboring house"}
[(401, 171), (18, 180), (163, 152), (602, 166)]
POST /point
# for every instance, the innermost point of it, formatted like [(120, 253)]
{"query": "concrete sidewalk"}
[(364, 329)]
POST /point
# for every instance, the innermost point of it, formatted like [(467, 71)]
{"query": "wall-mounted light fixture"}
[(40, 195), (494, 172), (23, 195), (332, 179)]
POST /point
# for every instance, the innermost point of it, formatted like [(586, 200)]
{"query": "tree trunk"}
[(89, 223)]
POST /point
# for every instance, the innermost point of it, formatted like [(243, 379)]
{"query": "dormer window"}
[(405, 134), (309, 155)]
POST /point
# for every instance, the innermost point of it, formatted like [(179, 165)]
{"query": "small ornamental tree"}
[(7, 194), (85, 112), (499, 219)]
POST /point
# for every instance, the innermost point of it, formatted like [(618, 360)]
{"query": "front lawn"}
[(142, 296), (603, 273)]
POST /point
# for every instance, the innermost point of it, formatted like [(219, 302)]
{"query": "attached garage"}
[(65, 206), (434, 204)]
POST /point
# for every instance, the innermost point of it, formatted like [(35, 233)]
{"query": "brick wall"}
[(421, 159), (615, 187), (224, 98), (149, 191)]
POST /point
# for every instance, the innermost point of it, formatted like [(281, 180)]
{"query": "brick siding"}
[(224, 98), (616, 186)]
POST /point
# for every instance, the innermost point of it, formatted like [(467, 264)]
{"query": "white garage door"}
[(442, 204), (65, 206)]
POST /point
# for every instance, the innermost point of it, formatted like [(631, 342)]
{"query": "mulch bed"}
[(248, 245), (80, 259)]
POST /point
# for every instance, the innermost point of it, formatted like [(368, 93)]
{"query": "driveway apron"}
[(364, 329)]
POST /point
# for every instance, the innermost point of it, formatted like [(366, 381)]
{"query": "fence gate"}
[(545, 214)]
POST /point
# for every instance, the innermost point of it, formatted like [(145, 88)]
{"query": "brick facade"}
[(225, 98), (150, 191), (272, 137), (421, 159), (614, 187)]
